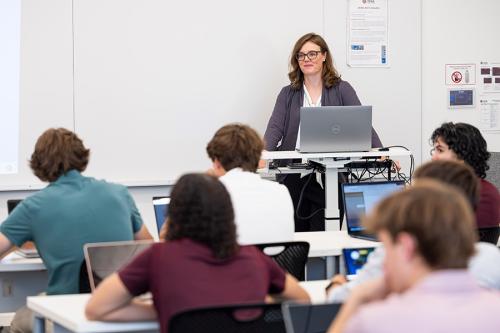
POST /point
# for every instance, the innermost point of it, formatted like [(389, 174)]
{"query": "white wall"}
[(455, 32)]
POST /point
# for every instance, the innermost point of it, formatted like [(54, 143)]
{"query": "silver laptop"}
[(308, 318), (328, 129), (103, 259)]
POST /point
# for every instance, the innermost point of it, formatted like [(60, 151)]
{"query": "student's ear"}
[(408, 245), (218, 169)]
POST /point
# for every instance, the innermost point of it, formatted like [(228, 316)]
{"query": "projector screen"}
[(10, 35)]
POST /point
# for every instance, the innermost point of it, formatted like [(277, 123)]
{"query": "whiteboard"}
[(154, 81), (146, 83)]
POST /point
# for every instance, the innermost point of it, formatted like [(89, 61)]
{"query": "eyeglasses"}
[(311, 55)]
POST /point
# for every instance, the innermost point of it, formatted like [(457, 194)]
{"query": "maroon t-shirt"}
[(488, 209), (183, 274)]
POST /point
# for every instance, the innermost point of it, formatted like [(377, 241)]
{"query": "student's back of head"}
[(453, 173), (437, 216), (236, 146), (58, 151), (200, 209)]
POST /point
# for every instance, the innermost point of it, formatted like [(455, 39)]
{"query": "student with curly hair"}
[(199, 264), (464, 142)]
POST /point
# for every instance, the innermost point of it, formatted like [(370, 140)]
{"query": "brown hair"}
[(439, 218), (200, 209), (58, 151), (330, 74), (458, 174), (236, 146)]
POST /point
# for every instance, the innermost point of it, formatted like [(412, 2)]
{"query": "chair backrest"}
[(84, 283), (489, 235), (247, 318), (291, 256)]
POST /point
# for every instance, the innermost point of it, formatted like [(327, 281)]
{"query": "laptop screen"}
[(355, 258), (160, 205), (360, 198)]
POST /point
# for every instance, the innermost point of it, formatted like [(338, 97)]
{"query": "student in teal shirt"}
[(71, 211)]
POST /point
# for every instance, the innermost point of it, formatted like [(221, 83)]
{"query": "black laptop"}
[(360, 198)]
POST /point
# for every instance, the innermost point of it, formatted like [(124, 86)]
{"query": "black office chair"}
[(246, 318), (489, 235), (84, 283), (292, 258)]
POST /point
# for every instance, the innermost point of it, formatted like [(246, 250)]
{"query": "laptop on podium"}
[(360, 199), (329, 129)]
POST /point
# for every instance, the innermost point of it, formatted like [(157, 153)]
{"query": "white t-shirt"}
[(308, 102), (263, 209)]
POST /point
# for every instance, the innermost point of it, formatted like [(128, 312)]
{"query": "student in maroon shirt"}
[(199, 264), (464, 142)]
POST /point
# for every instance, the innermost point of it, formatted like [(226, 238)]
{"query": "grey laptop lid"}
[(309, 318), (329, 129), (103, 259)]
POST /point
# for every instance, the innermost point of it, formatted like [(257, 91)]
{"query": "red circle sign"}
[(456, 77)]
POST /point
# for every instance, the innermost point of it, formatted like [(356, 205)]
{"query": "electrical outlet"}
[(7, 288)]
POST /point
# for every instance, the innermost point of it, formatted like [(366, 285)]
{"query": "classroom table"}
[(67, 313), (19, 277), (329, 244)]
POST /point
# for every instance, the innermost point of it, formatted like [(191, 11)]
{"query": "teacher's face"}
[(312, 62)]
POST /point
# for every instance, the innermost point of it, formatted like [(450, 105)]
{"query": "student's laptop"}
[(103, 259), (309, 318), (329, 129), (160, 205), (354, 259), (12, 203), (360, 199)]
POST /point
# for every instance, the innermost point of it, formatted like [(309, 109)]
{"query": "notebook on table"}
[(328, 129), (360, 199)]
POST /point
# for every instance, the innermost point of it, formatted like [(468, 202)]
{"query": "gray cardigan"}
[(284, 122)]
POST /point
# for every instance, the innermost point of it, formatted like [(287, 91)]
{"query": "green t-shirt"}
[(68, 213)]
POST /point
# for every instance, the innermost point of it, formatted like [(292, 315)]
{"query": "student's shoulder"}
[(488, 188), (105, 185)]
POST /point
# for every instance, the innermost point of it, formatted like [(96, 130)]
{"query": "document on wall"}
[(489, 77), (368, 33), (490, 115)]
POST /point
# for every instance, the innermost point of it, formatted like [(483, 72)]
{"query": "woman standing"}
[(314, 82)]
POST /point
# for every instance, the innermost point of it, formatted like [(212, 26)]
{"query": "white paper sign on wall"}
[(460, 74)]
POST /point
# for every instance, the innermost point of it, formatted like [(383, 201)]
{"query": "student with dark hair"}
[(263, 209), (199, 264), (461, 176), (71, 211), (425, 286), (314, 81), (464, 142)]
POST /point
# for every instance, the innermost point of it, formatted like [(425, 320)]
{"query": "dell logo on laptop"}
[(335, 129)]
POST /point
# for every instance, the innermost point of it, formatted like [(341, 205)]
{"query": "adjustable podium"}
[(332, 162)]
